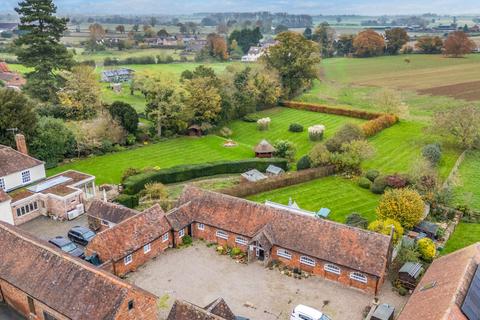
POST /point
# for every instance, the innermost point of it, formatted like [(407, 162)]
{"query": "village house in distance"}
[(26, 193)]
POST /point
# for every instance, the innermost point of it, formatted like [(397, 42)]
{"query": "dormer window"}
[(26, 176)]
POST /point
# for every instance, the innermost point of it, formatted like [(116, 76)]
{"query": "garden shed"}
[(264, 149), (253, 175), (274, 170), (383, 312), (409, 274), (195, 130), (428, 228)]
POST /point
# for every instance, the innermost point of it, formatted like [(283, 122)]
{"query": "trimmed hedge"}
[(127, 200), (134, 184), (377, 121)]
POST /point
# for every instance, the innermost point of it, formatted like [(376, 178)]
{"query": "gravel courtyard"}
[(199, 275)]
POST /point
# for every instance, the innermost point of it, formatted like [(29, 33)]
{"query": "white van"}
[(302, 312)]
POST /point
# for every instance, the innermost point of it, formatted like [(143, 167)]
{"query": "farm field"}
[(465, 234), (340, 195), (185, 150), (467, 189), (99, 56)]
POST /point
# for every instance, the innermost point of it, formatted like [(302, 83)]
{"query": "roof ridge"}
[(24, 154)]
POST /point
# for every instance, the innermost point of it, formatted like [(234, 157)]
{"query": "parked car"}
[(302, 312), (67, 246), (81, 235)]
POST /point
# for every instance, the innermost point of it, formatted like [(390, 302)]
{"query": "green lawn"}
[(465, 234), (185, 150), (340, 195), (467, 189), (247, 133)]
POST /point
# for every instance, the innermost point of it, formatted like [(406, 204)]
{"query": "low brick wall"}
[(291, 178)]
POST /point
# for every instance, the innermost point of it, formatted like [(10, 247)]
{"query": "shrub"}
[(125, 114), (402, 291), (304, 163), (136, 183), (379, 185), (347, 133), (235, 252), (397, 181), (356, 220), (319, 155), (295, 127), (284, 149), (385, 227), (253, 117), (331, 110), (433, 153), (364, 183), (155, 191), (315, 133), (403, 205), (130, 172), (372, 127), (426, 248), (187, 240), (372, 175), (226, 132), (263, 123), (129, 201)]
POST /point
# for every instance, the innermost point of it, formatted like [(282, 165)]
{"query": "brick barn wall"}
[(96, 224), (343, 277), (209, 234), (144, 306), (17, 299), (140, 258)]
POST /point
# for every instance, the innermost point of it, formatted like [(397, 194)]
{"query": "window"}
[(130, 305), (29, 207), (128, 259), (201, 226), (181, 233), (31, 305), (331, 268), (284, 254), (48, 316), (307, 260), (2, 184), (304, 317), (165, 237), (241, 240), (222, 234), (26, 176), (358, 277), (147, 248)]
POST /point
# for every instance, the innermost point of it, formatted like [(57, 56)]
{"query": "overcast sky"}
[(365, 7)]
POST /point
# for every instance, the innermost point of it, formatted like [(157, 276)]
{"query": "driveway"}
[(199, 275), (46, 228)]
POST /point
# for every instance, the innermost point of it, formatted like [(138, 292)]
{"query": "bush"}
[(187, 240), (372, 127), (253, 117), (402, 291), (226, 132), (379, 185), (295, 127), (304, 163), (125, 114), (356, 220), (284, 149), (235, 252), (319, 155), (263, 123), (372, 175), (130, 172), (136, 183), (403, 205), (385, 227), (129, 201), (315, 133), (427, 249), (397, 181), (433, 153), (347, 133), (364, 183)]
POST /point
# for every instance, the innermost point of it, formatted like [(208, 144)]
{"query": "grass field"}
[(340, 195), (465, 234), (99, 56), (467, 189)]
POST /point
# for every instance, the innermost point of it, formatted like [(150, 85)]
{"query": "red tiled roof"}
[(110, 212), (323, 239), (66, 284), (130, 235), (452, 275), (183, 310), (12, 161)]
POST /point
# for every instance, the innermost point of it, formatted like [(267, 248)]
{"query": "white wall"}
[(6, 212), (14, 180)]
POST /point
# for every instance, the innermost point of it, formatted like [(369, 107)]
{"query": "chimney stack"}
[(21, 143)]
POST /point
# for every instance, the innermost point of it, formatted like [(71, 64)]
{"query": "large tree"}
[(396, 38), (39, 47), (203, 100), (368, 43), (296, 61), (216, 47), (325, 36), (459, 123), (458, 44), (344, 45), (17, 113), (246, 38), (427, 44)]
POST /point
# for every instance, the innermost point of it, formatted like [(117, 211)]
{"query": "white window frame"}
[(306, 260), (2, 184), (329, 267), (201, 226), (181, 233), (128, 259), (26, 174), (284, 253), (241, 240), (165, 237), (147, 248), (357, 276), (221, 234)]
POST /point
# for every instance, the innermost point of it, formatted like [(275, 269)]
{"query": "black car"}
[(67, 246), (81, 235)]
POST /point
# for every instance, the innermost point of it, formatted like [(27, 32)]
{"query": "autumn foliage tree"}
[(403, 205), (385, 227), (368, 43), (429, 44), (458, 44), (216, 47), (396, 38)]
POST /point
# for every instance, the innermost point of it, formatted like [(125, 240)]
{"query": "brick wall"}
[(18, 300), (96, 224), (318, 269), (209, 234), (144, 306)]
